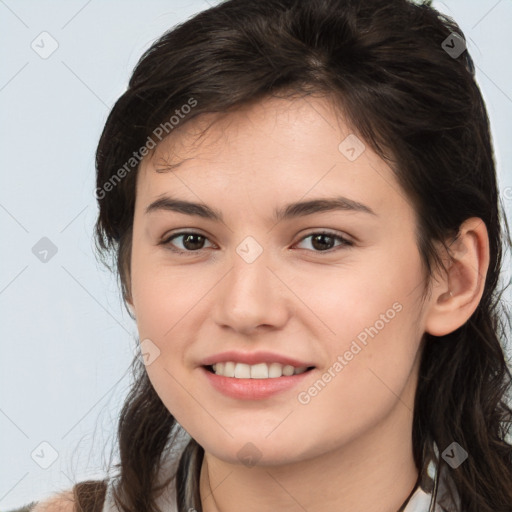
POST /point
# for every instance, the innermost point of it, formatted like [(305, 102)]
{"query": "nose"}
[(252, 298)]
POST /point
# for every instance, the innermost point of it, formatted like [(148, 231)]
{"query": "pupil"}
[(186, 241), (321, 237)]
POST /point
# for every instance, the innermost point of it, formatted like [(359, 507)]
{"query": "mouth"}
[(232, 369)]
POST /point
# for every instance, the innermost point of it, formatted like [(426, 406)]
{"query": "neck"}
[(374, 472)]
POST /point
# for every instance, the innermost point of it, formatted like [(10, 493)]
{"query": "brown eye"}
[(191, 242), (324, 241)]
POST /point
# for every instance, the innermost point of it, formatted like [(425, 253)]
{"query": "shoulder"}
[(62, 502), (87, 496), (26, 508)]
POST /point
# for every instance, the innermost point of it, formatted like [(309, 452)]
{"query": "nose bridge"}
[(250, 267), (251, 295)]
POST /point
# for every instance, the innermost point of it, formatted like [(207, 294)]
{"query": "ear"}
[(456, 293)]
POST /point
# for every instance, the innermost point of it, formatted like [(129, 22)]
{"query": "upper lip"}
[(253, 358)]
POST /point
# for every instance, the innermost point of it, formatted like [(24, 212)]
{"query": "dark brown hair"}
[(384, 64)]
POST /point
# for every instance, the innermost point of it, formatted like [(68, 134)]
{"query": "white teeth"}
[(242, 371), (288, 370), (259, 371), (256, 371), (229, 369), (275, 370)]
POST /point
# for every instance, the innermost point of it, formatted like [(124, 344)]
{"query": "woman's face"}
[(269, 288)]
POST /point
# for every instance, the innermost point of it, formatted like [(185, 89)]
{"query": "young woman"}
[(301, 200)]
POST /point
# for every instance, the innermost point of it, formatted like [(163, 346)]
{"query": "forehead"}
[(291, 123), (275, 149)]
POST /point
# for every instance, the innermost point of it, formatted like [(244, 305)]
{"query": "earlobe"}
[(456, 295)]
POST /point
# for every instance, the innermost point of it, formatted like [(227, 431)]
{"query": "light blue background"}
[(66, 340)]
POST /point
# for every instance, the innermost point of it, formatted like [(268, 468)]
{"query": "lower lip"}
[(253, 389)]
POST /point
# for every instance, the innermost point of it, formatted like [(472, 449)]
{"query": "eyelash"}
[(344, 242)]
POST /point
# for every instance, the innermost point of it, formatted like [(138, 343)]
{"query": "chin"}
[(254, 450)]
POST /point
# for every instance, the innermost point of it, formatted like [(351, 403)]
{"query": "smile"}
[(254, 382)]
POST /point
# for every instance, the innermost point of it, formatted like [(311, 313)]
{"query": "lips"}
[(252, 389), (254, 375)]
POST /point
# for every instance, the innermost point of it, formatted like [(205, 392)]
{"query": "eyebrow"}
[(289, 211)]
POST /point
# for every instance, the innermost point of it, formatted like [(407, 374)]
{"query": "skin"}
[(350, 446)]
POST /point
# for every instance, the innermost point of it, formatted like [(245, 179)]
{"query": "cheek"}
[(168, 303), (162, 295), (372, 340), (369, 374), (362, 298)]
